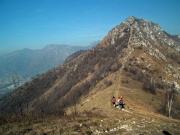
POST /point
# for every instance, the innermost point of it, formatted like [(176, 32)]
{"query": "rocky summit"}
[(136, 59)]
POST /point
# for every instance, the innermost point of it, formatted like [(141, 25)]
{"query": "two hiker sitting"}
[(120, 102)]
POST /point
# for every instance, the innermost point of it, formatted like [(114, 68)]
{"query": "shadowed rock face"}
[(166, 133)]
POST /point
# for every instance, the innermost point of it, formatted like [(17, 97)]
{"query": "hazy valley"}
[(20, 66)]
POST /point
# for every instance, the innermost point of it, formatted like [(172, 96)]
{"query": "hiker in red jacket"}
[(114, 101)]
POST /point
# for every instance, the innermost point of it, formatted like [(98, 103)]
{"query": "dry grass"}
[(95, 122), (96, 115)]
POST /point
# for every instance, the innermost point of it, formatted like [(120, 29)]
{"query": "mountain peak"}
[(130, 20), (141, 31)]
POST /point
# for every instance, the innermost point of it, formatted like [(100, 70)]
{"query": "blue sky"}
[(36, 23)]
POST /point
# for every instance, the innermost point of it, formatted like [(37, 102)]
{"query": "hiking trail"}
[(128, 51)]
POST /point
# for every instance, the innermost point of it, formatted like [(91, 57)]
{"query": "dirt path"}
[(117, 75)]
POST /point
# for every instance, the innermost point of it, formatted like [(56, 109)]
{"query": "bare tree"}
[(170, 96), (149, 85)]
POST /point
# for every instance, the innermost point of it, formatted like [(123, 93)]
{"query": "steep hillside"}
[(136, 59)]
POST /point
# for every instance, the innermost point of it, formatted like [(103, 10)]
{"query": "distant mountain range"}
[(21, 65)]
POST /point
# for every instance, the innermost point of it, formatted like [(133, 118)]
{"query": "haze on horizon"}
[(36, 23)]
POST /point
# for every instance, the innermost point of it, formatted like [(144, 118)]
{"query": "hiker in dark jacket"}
[(121, 102)]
